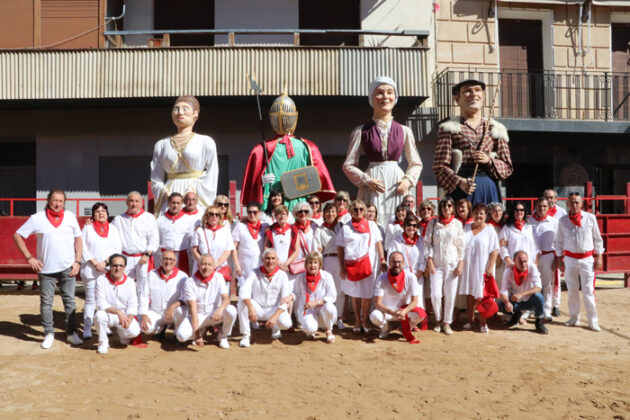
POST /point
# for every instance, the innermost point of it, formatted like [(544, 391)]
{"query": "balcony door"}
[(521, 64), (189, 14), (329, 14), (620, 46)]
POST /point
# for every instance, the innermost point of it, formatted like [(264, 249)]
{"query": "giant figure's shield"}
[(300, 182)]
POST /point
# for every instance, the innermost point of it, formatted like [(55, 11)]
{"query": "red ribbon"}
[(286, 140)]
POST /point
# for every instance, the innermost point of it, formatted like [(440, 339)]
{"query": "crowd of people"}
[(305, 269)]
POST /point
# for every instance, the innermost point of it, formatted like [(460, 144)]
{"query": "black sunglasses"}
[(223, 204), (302, 212)]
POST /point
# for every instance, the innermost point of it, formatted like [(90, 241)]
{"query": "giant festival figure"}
[(186, 161), (284, 153), (383, 140)]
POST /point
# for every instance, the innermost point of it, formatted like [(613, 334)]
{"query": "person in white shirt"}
[(544, 229), (275, 199), (444, 252), (316, 206), (117, 303), (517, 235), (249, 239), (359, 245), (100, 240), (342, 200), (315, 295), (324, 242), (410, 243), (192, 213), (213, 238), (555, 211), (396, 226), (176, 230), (281, 237), (140, 238), (520, 290), (578, 239), (397, 297), (160, 295), (265, 296), (207, 298), (59, 252)]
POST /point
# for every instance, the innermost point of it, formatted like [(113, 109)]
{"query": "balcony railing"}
[(543, 94)]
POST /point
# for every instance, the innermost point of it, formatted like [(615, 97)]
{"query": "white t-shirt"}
[(98, 248), (55, 245), (249, 249), (391, 298), (509, 286), (207, 295)]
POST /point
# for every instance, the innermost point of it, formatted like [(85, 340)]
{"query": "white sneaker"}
[(384, 332), (340, 324), (547, 317), (48, 341), (594, 326), (573, 321), (447, 329), (224, 344), (437, 328), (74, 339), (276, 333), (467, 326), (244, 341), (102, 348), (484, 329)]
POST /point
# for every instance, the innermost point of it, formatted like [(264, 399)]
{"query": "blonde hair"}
[(280, 208), (205, 217), (228, 214), (314, 255)]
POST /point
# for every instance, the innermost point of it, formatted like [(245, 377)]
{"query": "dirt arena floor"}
[(517, 374)]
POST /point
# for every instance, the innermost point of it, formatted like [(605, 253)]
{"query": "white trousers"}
[(444, 283), (183, 326), (320, 317), (380, 318), (331, 264), (157, 323), (89, 285), (263, 313), (138, 272), (548, 277), (103, 320), (580, 272)]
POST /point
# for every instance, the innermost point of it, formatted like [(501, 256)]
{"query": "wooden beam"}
[(102, 10), (37, 23)]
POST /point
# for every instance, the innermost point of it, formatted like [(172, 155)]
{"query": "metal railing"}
[(72, 204), (543, 94)]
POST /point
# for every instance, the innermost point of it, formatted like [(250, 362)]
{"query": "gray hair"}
[(133, 193), (302, 205), (267, 251), (494, 204)]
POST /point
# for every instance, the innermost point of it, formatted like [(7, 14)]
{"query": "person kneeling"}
[(159, 295), (315, 294), (207, 299), (520, 291), (265, 296), (396, 297), (117, 304)]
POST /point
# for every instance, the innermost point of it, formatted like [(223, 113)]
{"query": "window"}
[(185, 14), (329, 14)]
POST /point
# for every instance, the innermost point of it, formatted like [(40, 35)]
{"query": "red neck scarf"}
[(190, 213), (540, 219), (447, 221), (286, 140), (493, 223), (317, 215), (576, 218), (214, 228), (423, 225), (399, 222), (280, 230), (269, 275), (172, 276), (204, 280), (519, 276), (519, 225), (254, 229), (135, 216), (172, 217), (311, 284), (552, 211), (330, 226), (113, 281), (342, 213), (101, 229), (465, 221), (410, 241), (398, 281), (54, 217), (362, 226), (304, 226)]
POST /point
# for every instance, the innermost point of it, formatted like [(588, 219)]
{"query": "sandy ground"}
[(570, 373)]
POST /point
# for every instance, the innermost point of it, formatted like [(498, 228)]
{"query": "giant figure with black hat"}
[(291, 164), (472, 154)]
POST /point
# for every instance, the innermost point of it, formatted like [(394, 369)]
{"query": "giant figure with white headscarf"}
[(383, 140)]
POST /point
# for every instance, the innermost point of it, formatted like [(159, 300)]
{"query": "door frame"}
[(546, 16)]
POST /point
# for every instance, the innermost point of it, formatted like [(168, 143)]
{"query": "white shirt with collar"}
[(138, 233), (159, 292), (544, 232), (207, 295), (122, 296), (175, 233), (325, 289), (509, 286), (579, 239), (267, 293), (394, 300)]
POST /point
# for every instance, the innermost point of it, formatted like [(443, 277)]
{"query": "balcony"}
[(546, 95)]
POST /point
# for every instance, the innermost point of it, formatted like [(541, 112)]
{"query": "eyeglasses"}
[(223, 204), (358, 209), (302, 212), (447, 205), (252, 212), (169, 259), (312, 203), (519, 210), (341, 199), (413, 225), (117, 265), (214, 214), (281, 214), (426, 209)]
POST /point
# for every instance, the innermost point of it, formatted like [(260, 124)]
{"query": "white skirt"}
[(390, 173), (363, 289)]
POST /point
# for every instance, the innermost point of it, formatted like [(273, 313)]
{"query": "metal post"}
[(627, 203), (420, 196), (232, 195)]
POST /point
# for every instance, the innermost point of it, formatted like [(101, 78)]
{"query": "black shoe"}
[(514, 320), (555, 311), (540, 327)]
